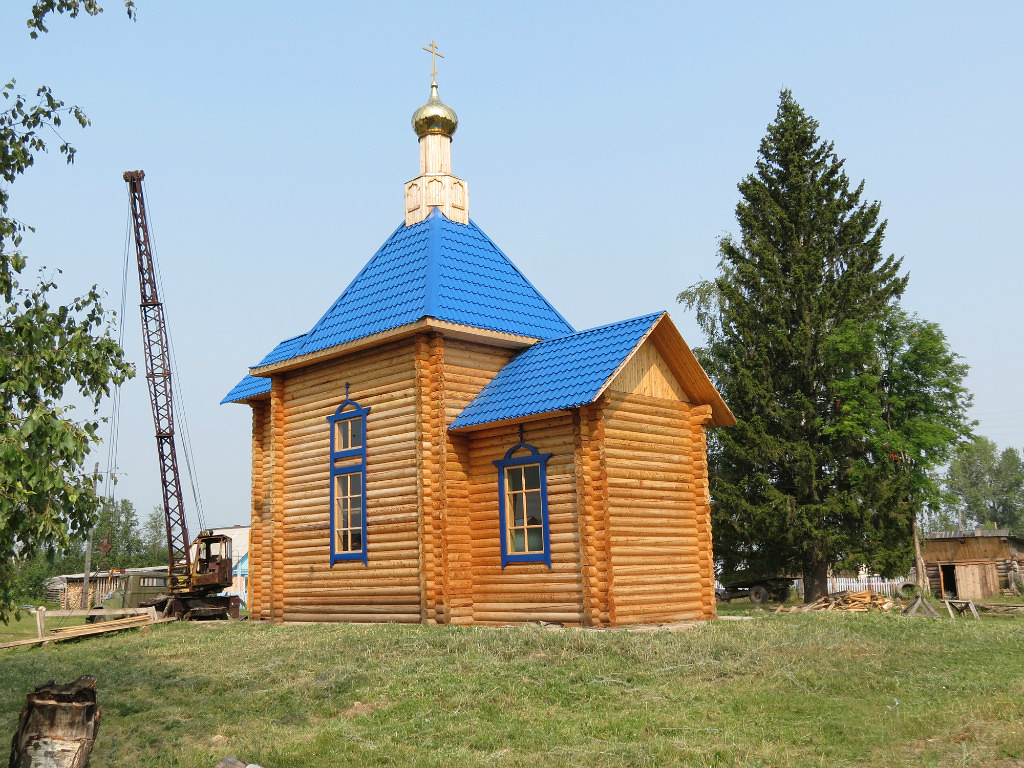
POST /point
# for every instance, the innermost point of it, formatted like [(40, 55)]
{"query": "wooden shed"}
[(442, 446), (973, 565)]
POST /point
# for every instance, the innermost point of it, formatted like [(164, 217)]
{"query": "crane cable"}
[(109, 477), (110, 471)]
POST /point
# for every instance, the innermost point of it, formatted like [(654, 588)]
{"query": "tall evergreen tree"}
[(825, 374)]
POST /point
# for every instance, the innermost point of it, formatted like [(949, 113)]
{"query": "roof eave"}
[(426, 324), (247, 399), (688, 371), (525, 419)]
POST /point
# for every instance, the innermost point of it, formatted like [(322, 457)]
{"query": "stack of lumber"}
[(82, 630), (1008, 609), (851, 602), (86, 630)]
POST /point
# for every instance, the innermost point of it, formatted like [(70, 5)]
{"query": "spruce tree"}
[(806, 342)]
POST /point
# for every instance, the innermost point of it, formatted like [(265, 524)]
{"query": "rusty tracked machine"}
[(197, 570)]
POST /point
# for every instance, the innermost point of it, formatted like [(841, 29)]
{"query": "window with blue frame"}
[(523, 506), (348, 481)]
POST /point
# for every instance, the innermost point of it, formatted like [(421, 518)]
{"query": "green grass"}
[(779, 690), (24, 627)]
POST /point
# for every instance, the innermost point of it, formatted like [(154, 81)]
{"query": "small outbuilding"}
[(973, 565), (442, 446)]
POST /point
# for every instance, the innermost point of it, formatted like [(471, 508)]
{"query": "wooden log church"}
[(443, 447)]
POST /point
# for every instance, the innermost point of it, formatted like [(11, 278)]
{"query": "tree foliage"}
[(986, 487), (844, 401), (133, 544), (50, 352)]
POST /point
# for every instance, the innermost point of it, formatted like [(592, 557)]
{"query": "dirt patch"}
[(358, 709)]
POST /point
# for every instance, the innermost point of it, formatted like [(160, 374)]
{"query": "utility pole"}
[(88, 547)]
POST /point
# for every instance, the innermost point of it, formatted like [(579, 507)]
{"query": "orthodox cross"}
[(432, 50)]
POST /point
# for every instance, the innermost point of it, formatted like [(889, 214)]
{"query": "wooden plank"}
[(89, 630)]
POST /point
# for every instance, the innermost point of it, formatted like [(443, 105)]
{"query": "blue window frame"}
[(348, 481), (523, 506)]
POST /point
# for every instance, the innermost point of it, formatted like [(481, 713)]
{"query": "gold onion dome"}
[(434, 117)]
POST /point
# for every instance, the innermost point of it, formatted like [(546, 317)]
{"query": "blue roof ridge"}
[(433, 267), (652, 321), (352, 282), (559, 373), (596, 328), (513, 265)]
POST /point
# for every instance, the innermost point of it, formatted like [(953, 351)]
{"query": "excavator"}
[(197, 569)]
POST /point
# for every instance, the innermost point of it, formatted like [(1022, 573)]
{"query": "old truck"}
[(130, 589), (760, 589)]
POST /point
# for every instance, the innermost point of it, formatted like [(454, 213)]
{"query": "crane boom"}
[(198, 569), (158, 377)]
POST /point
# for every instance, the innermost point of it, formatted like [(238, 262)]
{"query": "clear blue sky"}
[(602, 142)]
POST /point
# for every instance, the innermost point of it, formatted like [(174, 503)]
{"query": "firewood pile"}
[(851, 602)]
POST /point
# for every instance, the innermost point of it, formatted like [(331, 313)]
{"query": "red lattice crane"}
[(196, 572)]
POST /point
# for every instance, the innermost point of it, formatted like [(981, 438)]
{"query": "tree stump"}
[(57, 727)]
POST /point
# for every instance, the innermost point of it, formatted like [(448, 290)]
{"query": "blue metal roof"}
[(554, 374), (438, 269), (286, 349), (258, 385), (248, 387)]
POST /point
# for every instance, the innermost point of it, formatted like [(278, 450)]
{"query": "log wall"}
[(658, 525), (592, 512), (627, 498), (525, 591), (275, 567), (260, 533), (302, 584), (466, 369)]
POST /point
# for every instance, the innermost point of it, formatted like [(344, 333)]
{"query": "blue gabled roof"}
[(554, 374), (248, 387), (440, 269)]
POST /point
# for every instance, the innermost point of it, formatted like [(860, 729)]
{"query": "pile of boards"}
[(850, 602)]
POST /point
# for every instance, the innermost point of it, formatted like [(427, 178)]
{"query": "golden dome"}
[(434, 117)]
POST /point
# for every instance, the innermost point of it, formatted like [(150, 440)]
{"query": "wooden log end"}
[(58, 725)]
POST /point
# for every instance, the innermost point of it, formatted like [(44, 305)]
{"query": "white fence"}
[(890, 587)]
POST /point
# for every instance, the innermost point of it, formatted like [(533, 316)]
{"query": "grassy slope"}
[(786, 690)]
